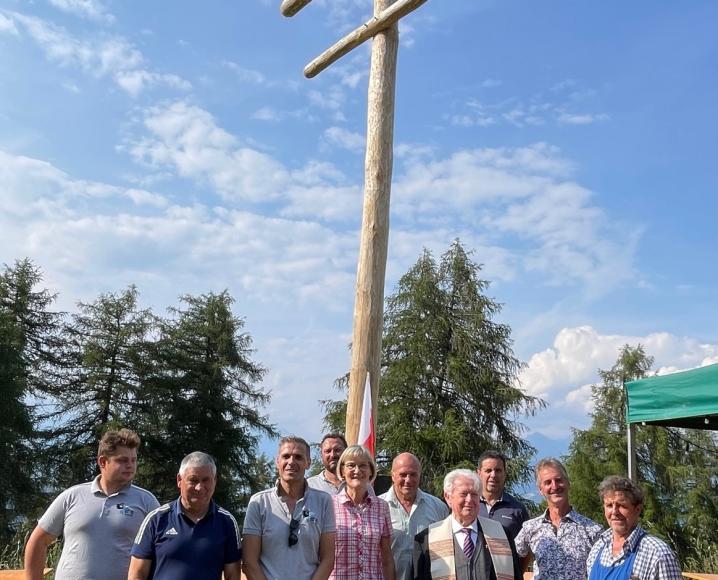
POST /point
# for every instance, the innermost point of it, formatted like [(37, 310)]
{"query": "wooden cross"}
[(371, 270)]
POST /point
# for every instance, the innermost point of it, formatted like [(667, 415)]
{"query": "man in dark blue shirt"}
[(191, 537), (498, 505)]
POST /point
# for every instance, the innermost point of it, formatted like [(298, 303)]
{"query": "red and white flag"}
[(366, 424)]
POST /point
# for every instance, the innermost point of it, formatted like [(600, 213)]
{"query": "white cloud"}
[(246, 75), (266, 114), (91, 9), (520, 194), (581, 119), (136, 81), (353, 68), (333, 99), (534, 111), (345, 15), (522, 199), (406, 34), (7, 25), (578, 352), (114, 57), (564, 373), (340, 137), (87, 235), (187, 140)]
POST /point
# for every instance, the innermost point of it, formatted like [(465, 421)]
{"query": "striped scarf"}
[(441, 549)]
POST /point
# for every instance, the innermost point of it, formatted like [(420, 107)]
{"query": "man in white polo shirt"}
[(289, 529), (98, 519), (412, 510)]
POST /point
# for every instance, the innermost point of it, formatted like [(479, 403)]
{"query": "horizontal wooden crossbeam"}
[(291, 7), (380, 22)]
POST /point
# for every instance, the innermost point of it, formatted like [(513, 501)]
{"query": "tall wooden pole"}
[(371, 270)]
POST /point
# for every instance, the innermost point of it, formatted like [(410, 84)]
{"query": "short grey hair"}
[(616, 483), (197, 459), (452, 476), (551, 462)]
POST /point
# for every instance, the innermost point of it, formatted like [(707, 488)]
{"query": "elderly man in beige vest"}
[(463, 546)]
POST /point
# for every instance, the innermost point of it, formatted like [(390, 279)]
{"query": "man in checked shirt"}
[(625, 550)]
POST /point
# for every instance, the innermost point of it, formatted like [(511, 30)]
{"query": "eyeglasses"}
[(358, 466)]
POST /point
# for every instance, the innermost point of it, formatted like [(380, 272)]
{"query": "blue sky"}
[(571, 145)]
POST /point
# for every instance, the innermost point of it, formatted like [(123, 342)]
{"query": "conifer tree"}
[(676, 467), (105, 361), (28, 330), (204, 396), (448, 388)]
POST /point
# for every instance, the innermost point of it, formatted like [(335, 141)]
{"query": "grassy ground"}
[(706, 561), (11, 555)]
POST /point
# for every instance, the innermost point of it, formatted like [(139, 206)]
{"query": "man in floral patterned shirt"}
[(560, 539)]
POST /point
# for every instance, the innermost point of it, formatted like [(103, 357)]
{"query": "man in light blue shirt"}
[(412, 510)]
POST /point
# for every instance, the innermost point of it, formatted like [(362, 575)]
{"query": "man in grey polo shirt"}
[(331, 449), (98, 519), (412, 510), (289, 529)]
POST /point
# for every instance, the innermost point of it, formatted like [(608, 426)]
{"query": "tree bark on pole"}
[(371, 270)]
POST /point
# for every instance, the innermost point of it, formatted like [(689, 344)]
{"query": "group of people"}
[(333, 525)]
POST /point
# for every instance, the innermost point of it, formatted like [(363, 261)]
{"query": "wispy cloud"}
[(246, 75), (7, 25), (345, 15), (87, 229), (523, 201), (90, 9), (566, 106), (114, 57), (349, 140), (581, 119)]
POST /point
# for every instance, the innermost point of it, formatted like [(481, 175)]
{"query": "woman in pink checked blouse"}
[(363, 536)]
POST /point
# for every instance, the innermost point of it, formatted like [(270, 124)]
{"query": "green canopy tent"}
[(686, 399)]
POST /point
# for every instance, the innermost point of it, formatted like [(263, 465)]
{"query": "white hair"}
[(452, 476), (197, 459)]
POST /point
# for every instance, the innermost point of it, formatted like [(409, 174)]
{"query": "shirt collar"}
[(392, 498), (571, 515), (95, 487), (457, 527), (278, 487), (482, 500), (343, 497), (631, 542), (211, 510)]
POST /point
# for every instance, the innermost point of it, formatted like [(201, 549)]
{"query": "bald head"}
[(405, 476)]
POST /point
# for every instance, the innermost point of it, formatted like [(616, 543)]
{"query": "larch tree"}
[(449, 386), (106, 362), (28, 333), (677, 467), (204, 396)]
